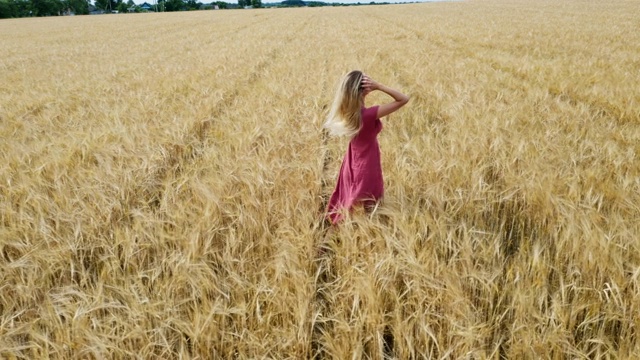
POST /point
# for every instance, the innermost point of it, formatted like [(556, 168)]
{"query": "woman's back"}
[(360, 177)]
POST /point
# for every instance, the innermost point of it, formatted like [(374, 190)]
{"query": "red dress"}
[(360, 179)]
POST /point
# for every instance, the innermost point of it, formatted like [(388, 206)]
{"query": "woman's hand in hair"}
[(369, 85)]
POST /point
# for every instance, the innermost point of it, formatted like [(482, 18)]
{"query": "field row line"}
[(498, 340), (177, 158), (597, 108), (149, 192)]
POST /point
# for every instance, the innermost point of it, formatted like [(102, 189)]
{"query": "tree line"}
[(160, 5), (25, 8), (252, 3)]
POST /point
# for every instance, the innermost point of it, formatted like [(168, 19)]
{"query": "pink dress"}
[(360, 179)]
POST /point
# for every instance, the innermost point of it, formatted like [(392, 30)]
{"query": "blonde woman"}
[(360, 179)]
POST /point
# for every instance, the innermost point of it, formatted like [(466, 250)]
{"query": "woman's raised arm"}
[(383, 110)]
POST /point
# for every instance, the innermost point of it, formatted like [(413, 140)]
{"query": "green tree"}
[(7, 10), (101, 4), (174, 5), (130, 4), (108, 5), (221, 4), (293, 3), (104, 4), (79, 7), (47, 7), (23, 7), (256, 3), (193, 4), (243, 3)]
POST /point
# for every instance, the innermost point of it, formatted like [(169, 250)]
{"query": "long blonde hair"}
[(344, 117)]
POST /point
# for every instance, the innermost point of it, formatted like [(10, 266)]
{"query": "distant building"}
[(146, 6), (94, 10)]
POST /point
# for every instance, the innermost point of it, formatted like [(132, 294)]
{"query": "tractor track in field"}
[(597, 109), (497, 60), (148, 193), (322, 256), (474, 51), (417, 34), (176, 158), (502, 61)]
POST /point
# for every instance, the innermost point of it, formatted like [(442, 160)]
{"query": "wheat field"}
[(163, 176)]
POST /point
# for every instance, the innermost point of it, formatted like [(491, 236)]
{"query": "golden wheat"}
[(163, 177)]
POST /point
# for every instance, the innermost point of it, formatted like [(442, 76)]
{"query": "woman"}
[(360, 179)]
